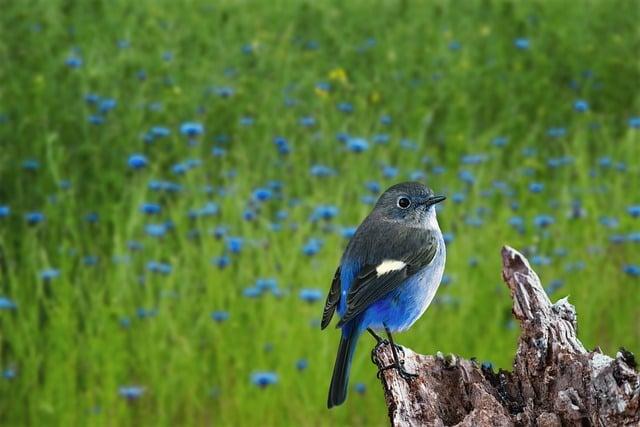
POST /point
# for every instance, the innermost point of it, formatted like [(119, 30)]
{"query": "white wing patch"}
[(389, 265)]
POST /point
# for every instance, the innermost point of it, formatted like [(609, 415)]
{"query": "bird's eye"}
[(404, 202)]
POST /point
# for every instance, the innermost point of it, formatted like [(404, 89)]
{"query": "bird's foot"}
[(407, 376)]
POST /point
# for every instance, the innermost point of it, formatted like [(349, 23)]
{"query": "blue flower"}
[(302, 364), (209, 209), (224, 91), (34, 218), (282, 144), (96, 119), (49, 274), (345, 107), (499, 141), (191, 129), (386, 119), (554, 285), (448, 238), (249, 214), (91, 98), (556, 132), (107, 104), (381, 138), (218, 151), (234, 244), (160, 131), (4, 211), (137, 161), (389, 172), (540, 260), (348, 232), (536, 187), (262, 194), (7, 304), (360, 388), (373, 186), (134, 245), (145, 313), (73, 61), (251, 292), (474, 159), (322, 171), (31, 165), (312, 247), (221, 261), (357, 145), (543, 221), (325, 212), (632, 270), (634, 122), (132, 392), (634, 211), (92, 217), (310, 295), (458, 197), (580, 105), (159, 267), (521, 43), (517, 222), (246, 121), (307, 121), (155, 230), (368, 200), (150, 208), (9, 374), (466, 177), (266, 285), (220, 316), (417, 175), (264, 379), (454, 45), (220, 231), (90, 260)]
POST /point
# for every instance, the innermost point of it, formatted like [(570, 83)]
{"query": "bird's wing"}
[(376, 280), (332, 300)]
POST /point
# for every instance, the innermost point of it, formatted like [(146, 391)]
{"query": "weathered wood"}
[(555, 381)]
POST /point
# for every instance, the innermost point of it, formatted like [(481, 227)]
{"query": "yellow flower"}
[(338, 75), (374, 97), (485, 30)]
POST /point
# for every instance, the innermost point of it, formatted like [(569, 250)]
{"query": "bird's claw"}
[(407, 376)]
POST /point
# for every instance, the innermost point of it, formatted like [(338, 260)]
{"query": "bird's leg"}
[(397, 363), (379, 341), (377, 337)]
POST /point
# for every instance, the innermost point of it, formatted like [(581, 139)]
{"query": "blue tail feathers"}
[(342, 367)]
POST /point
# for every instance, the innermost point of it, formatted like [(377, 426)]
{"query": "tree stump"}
[(555, 381)]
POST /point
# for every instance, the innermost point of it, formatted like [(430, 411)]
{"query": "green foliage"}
[(451, 77)]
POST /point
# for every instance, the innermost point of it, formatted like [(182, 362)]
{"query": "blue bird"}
[(387, 277)]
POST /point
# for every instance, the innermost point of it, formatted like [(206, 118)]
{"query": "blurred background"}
[(179, 179)]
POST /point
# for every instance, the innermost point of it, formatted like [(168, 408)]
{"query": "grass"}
[(451, 78)]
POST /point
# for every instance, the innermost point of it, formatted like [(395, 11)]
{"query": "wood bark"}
[(555, 381)]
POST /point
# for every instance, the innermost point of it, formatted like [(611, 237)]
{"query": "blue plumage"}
[(388, 274)]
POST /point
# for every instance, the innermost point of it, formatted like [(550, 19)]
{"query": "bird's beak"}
[(429, 201)]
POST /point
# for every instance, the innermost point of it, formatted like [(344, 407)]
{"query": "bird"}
[(387, 276)]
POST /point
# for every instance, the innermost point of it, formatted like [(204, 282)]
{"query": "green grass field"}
[(525, 114)]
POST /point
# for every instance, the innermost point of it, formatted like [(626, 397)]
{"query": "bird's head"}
[(410, 203)]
